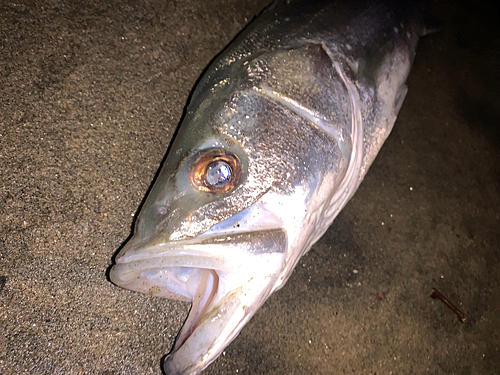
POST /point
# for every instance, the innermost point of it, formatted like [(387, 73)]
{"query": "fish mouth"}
[(226, 277)]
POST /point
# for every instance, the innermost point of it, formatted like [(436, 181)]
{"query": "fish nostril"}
[(162, 210)]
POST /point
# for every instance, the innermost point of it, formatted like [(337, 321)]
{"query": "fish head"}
[(238, 199)]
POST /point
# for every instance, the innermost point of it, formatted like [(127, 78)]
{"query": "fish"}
[(277, 137)]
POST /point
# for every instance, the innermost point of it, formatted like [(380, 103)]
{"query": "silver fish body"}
[(277, 137)]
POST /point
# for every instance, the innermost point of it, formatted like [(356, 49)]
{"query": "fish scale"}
[(295, 110)]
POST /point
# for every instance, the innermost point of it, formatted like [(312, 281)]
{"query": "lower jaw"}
[(204, 337), (203, 289)]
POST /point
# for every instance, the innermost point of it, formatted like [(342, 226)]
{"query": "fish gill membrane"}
[(277, 137)]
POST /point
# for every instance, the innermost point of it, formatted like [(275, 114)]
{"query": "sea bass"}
[(277, 137)]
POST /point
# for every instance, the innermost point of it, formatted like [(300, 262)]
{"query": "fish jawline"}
[(217, 316), (202, 300)]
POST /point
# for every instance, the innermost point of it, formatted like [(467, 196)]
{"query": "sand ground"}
[(90, 95)]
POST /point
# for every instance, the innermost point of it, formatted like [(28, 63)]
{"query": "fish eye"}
[(218, 174), (216, 171)]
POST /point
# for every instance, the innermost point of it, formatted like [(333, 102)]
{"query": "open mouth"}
[(226, 277), (196, 285)]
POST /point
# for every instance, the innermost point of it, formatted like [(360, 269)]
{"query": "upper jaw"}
[(227, 252)]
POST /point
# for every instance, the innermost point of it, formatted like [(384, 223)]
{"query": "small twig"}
[(436, 294)]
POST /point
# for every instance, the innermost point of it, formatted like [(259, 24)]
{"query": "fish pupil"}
[(218, 174)]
